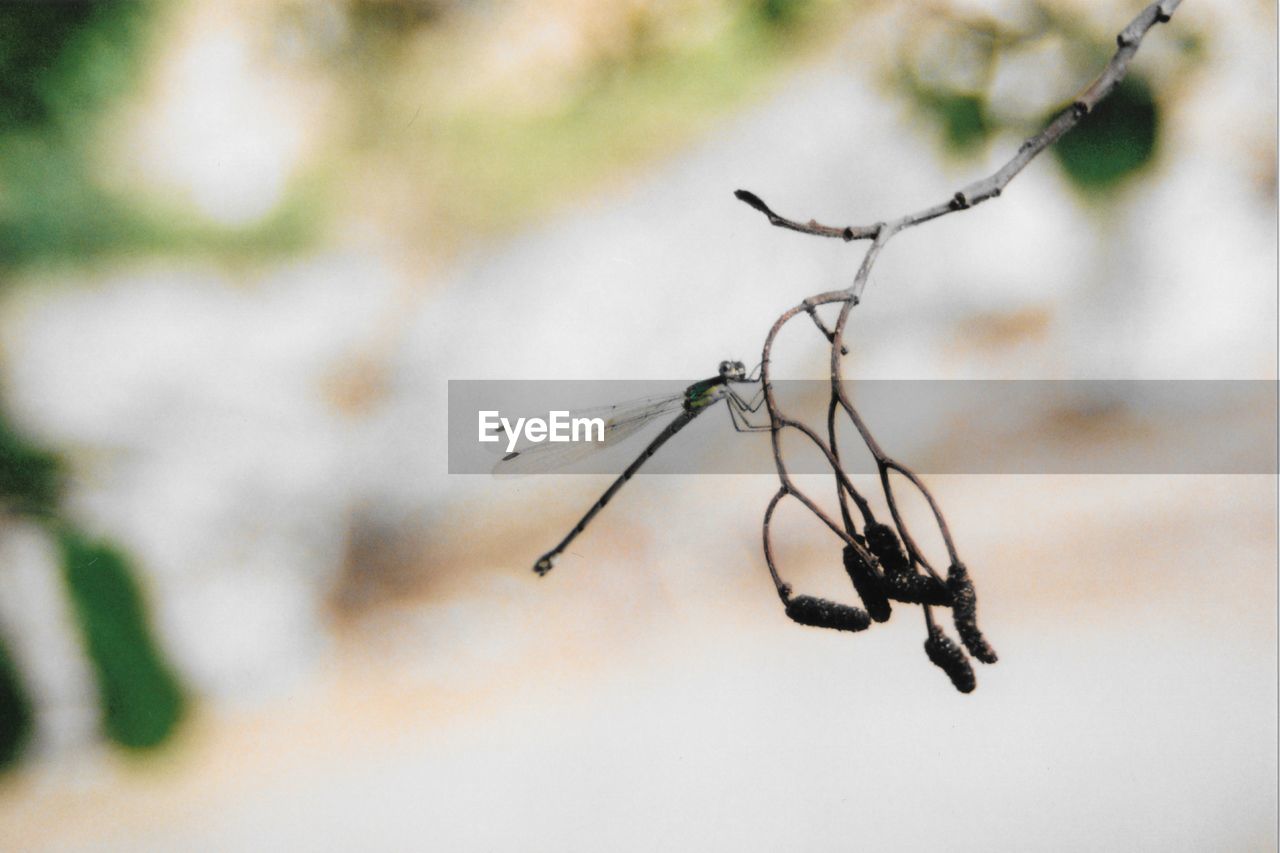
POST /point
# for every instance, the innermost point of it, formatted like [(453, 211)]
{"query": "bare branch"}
[(1128, 42), (881, 568), (811, 227)]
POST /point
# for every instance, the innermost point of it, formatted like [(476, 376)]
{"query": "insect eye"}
[(725, 367)]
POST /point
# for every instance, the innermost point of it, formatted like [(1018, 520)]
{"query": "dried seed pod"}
[(915, 588), (821, 613), (951, 658), (867, 584), (964, 611), (901, 581), (883, 542)]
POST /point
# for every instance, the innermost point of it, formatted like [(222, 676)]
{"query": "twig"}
[(811, 227), (1128, 42), (890, 556)]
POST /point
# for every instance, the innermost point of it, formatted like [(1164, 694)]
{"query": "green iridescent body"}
[(701, 394)]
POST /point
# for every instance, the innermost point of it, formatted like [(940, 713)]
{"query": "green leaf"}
[(61, 60), (32, 37), (1114, 142), (964, 121), (15, 711), (961, 117), (142, 701), (780, 13), (30, 479)]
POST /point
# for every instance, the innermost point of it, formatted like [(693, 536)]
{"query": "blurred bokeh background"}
[(244, 246)]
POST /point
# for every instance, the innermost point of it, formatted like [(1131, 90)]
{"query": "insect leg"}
[(757, 400), (738, 416)]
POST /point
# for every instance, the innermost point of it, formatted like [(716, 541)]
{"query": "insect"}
[(626, 418)]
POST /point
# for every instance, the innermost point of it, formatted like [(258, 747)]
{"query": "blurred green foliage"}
[(1115, 141), (780, 13), (15, 711), (29, 485), (961, 116), (61, 61), (140, 697), (485, 166), (55, 212), (1100, 155), (62, 66), (141, 700), (30, 481), (392, 16)]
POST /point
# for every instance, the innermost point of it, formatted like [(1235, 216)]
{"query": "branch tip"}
[(750, 198)]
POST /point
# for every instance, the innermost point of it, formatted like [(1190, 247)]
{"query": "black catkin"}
[(867, 584), (901, 581), (821, 613), (883, 542), (951, 659), (915, 588), (964, 611)]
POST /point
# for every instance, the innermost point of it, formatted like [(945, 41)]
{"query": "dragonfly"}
[(624, 419)]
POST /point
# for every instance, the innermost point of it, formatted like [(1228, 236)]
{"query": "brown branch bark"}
[(1127, 44), (880, 546)]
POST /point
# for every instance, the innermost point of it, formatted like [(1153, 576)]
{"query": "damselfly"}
[(623, 420)]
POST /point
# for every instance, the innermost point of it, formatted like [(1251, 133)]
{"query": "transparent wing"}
[(621, 420)]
